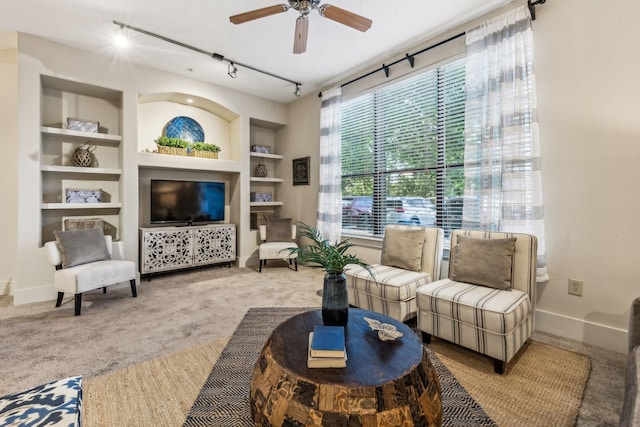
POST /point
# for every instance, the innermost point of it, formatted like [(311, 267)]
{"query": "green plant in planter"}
[(205, 147), (171, 142), (331, 257)]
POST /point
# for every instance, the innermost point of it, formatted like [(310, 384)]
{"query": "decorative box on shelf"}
[(261, 197), (264, 149), (83, 195), (83, 125)]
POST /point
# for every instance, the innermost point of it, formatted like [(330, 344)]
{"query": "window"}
[(403, 153)]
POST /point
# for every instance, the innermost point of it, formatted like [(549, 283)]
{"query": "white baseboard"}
[(35, 294), (5, 287), (595, 334)]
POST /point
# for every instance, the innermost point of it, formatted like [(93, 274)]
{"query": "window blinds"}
[(403, 152)]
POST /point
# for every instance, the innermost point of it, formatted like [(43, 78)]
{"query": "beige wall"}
[(589, 112), (9, 145)]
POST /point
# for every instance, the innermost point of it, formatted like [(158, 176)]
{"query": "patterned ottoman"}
[(58, 403)]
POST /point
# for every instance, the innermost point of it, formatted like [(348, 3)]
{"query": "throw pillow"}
[(278, 230), (485, 262), (81, 246), (402, 248)]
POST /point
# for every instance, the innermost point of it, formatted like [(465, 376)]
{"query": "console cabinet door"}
[(166, 249), (213, 244)]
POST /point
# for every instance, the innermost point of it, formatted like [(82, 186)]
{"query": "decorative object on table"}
[(325, 362), (261, 197), (83, 156), (264, 149), (184, 128), (332, 258), (204, 150), (83, 125), (83, 195), (261, 170), (386, 331), (301, 171)]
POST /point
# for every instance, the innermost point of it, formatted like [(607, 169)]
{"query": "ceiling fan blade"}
[(345, 17), (300, 38), (258, 13)]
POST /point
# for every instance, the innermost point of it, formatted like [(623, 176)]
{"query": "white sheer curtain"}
[(503, 183), (330, 191)]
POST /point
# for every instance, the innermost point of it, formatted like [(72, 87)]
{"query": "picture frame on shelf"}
[(301, 171)]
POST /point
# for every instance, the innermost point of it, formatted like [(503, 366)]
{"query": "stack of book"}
[(326, 347)]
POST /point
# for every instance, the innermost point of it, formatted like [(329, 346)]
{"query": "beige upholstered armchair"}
[(410, 258), (82, 259), (276, 236), (487, 302)]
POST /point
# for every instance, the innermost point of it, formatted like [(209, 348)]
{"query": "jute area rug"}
[(543, 387)]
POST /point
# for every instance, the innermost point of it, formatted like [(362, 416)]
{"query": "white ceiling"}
[(334, 51)]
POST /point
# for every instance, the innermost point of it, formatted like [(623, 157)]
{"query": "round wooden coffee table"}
[(385, 383)]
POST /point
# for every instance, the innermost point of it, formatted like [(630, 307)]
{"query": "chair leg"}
[(78, 304), (426, 338), (499, 366), (134, 292), (59, 300), (104, 289), (295, 261), (260, 269)]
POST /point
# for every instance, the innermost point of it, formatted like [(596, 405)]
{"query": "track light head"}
[(297, 91), (120, 36), (232, 70)]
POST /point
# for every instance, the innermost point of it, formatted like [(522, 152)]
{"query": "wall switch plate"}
[(575, 287)]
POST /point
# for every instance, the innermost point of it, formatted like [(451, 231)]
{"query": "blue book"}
[(328, 341)]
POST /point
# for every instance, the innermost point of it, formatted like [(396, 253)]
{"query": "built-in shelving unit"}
[(264, 134), (62, 99)]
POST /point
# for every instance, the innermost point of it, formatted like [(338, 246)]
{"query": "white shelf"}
[(74, 169), (257, 179), (166, 161), (79, 134), (58, 206), (252, 204), (266, 156)]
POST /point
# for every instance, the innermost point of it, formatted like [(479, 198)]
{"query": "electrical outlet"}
[(575, 287)]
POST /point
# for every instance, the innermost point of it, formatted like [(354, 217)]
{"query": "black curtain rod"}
[(408, 57)]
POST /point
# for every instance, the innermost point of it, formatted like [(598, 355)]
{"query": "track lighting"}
[(120, 37), (232, 70), (232, 67)]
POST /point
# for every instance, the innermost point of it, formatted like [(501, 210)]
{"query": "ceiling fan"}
[(334, 13)]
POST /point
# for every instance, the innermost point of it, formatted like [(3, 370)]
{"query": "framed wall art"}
[(301, 171)]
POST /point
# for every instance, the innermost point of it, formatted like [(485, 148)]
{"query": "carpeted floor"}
[(181, 311)]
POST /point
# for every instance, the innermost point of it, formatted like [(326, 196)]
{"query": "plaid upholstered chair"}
[(487, 303), (411, 257)]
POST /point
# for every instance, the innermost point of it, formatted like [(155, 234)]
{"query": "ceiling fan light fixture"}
[(302, 31)]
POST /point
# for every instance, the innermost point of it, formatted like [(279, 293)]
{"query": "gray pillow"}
[(485, 262), (278, 230), (402, 248), (81, 246)]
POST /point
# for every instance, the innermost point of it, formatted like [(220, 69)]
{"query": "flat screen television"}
[(186, 202)]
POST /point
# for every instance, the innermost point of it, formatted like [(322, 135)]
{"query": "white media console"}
[(173, 248)]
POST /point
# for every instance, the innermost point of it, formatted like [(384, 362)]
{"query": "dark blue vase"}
[(335, 300)]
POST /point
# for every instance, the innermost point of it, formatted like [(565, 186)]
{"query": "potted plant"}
[(175, 146), (202, 149), (332, 258)]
